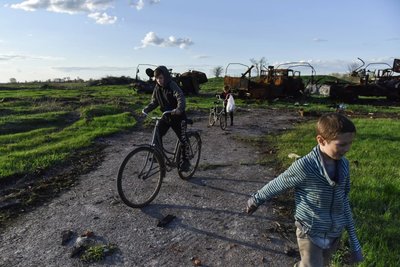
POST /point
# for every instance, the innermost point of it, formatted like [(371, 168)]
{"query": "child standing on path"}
[(225, 95), (321, 181)]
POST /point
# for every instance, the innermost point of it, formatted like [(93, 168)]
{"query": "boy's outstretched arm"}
[(286, 180), (355, 247)]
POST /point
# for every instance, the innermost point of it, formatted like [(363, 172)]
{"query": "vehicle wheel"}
[(194, 157), (140, 176), (223, 121), (211, 118)]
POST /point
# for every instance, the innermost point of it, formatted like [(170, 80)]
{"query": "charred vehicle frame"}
[(373, 83), (188, 81), (271, 83)]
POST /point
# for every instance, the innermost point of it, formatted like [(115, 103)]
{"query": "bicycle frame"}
[(221, 112), (143, 173), (217, 110), (156, 143)]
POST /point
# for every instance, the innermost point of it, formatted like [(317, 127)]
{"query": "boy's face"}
[(338, 147), (160, 80)]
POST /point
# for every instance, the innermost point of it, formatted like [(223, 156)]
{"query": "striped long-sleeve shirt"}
[(322, 205)]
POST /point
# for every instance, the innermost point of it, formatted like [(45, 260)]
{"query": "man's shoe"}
[(185, 166)]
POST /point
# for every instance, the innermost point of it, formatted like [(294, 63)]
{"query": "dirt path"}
[(210, 224)]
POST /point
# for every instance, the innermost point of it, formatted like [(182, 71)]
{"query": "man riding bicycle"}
[(169, 96)]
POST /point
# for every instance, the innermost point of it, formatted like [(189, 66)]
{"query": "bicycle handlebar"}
[(162, 115), (166, 112)]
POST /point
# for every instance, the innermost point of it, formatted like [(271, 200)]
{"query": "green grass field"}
[(41, 126)]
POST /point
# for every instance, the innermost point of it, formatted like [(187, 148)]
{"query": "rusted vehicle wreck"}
[(376, 79), (188, 81), (271, 83)]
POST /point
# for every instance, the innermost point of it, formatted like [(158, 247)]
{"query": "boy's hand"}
[(251, 206), (356, 256), (176, 112)]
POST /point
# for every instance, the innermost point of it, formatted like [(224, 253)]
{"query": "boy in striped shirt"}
[(321, 181)]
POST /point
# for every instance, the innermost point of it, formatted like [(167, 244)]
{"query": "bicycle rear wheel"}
[(140, 176), (222, 120), (194, 155)]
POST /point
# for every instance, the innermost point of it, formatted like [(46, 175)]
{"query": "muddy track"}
[(210, 224)]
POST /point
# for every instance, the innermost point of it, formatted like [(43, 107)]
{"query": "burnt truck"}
[(144, 83), (272, 82), (376, 79), (188, 81)]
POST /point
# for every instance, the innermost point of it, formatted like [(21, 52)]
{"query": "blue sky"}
[(47, 39)]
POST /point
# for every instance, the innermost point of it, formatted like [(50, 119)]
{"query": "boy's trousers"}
[(311, 254), (179, 125)]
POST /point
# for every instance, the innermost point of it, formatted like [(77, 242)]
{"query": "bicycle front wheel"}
[(222, 121), (140, 176), (194, 155), (212, 117)]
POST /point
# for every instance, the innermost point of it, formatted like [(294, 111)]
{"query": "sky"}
[(48, 39)]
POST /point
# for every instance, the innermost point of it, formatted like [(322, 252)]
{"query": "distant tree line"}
[(111, 80), (55, 80)]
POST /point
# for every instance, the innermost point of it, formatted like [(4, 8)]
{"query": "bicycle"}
[(216, 114), (142, 171)]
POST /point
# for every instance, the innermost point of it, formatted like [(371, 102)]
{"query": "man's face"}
[(160, 80), (338, 147)]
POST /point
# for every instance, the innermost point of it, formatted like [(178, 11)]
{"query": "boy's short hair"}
[(330, 125), (158, 72)]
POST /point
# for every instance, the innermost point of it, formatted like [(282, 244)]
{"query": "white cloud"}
[(9, 57), (30, 5), (201, 56), (140, 4), (100, 68), (319, 40), (92, 7), (70, 7), (151, 38), (102, 18)]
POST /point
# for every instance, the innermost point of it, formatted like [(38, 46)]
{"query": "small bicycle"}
[(217, 113), (142, 171)]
